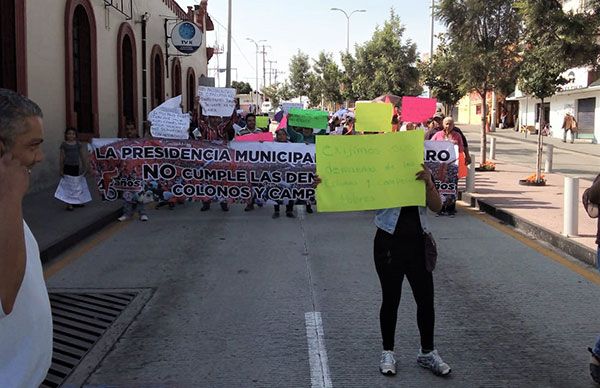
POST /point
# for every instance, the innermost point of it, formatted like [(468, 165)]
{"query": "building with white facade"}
[(96, 64), (579, 97)]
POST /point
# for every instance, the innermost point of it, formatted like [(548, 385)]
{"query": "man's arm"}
[(14, 181)]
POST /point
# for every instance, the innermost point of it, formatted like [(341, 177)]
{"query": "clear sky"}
[(306, 25)]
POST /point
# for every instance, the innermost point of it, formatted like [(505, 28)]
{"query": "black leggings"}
[(394, 258)]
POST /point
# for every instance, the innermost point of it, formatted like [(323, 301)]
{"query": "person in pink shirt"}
[(449, 134)]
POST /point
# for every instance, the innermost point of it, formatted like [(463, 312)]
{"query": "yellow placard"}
[(369, 172), (373, 117), (262, 122)]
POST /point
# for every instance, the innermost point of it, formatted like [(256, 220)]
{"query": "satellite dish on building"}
[(186, 37)]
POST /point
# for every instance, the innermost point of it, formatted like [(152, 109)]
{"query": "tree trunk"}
[(540, 145), (483, 121)]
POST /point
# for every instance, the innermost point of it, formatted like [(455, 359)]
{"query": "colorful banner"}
[(417, 109), (217, 101), (200, 170), (441, 157), (261, 136), (373, 117), (310, 118), (370, 172), (263, 122)]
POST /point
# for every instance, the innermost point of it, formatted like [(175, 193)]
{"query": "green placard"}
[(262, 122), (374, 117), (310, 118), (369, 172)]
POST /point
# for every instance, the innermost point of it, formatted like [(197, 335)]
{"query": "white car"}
[(266, 107)]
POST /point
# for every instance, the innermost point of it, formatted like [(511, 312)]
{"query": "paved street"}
[(235, 295), (516, 151)]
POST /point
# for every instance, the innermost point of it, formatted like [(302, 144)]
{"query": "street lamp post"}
[(348, 24), (256, 68)]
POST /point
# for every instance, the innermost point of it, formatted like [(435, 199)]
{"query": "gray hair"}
[(14, 110)]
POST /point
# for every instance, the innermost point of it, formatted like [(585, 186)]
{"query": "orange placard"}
[(462, 166)]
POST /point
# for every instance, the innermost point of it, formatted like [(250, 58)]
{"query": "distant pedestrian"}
[(591, 202), (569, 124), (25, 317), (73, 163)]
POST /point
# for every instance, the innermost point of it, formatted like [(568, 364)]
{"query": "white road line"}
[(319, 366)]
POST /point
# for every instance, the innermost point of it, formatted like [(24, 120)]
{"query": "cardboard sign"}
[(73, 190), (262, 136), (287, 106), (170, 124), (370, 172), (373, 117), (310, 118), (262, 122), (417, 109), (217, 101)]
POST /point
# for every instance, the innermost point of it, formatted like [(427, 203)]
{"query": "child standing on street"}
[(72, 161)]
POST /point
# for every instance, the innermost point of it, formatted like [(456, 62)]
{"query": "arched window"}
[(191, 88), (13, 65), (157, 77), (176, 78), (81, 68), (127, 77)]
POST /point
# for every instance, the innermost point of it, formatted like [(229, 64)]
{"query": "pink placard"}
[(263, 136), (283, 122), (417, 109)]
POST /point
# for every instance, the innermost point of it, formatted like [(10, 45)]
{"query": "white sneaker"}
[(387, 366), (123, 218), (143, 217), (433, 362)]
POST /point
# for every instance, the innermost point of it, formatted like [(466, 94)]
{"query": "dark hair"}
[(130, 122), (70, 129), (429, 121), (250, 115), (14, 110)]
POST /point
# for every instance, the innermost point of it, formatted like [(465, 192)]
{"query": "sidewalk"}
[(579, 147), (57, 229)]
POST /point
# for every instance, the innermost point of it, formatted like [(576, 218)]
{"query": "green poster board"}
[(373, 117), (369, 172), (310, 118), (262, 122)]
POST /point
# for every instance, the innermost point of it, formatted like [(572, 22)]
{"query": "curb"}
[(56, 248), (566, 245)]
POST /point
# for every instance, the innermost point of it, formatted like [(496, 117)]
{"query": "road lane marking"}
[(579, 269), (102, 236), (317, 354)]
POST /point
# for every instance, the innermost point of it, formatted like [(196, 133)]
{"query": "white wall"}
[(46, 68)]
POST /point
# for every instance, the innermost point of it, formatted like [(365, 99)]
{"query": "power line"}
[(234, 41)]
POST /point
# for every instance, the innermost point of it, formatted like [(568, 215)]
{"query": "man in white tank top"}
[(25, 318)]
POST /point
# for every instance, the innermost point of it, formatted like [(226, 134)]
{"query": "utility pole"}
[(228, 74), (431, 43), (271, 71), (264, 54)]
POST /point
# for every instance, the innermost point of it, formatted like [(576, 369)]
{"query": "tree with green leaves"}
[(278, 92), (384, 64), (484, 35), (241, 87), (300, 74), (329, 77), (554, 41), (443, 74)]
